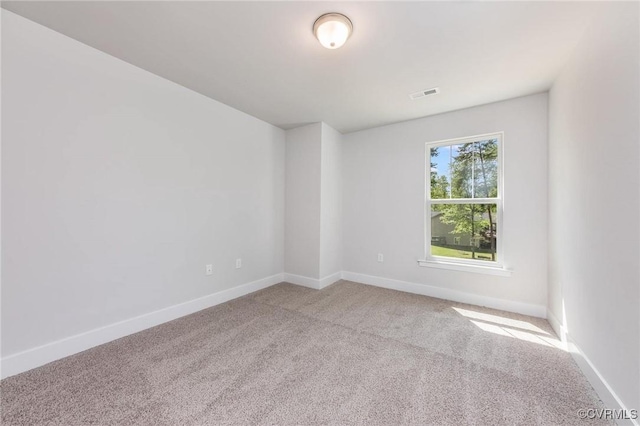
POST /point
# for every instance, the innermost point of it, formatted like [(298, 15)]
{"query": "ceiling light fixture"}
[(332, 30)]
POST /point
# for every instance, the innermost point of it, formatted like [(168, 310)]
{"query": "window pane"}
[(440, 161), (461, 170), (464, 231), (486, 168), (468, 170)]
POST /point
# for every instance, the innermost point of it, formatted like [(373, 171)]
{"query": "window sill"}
[(502, 272)]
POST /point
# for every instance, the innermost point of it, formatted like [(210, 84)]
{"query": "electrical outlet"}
[(238, 263), (380, 257), (208, 270)]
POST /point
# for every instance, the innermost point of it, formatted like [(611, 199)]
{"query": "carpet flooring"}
[(348, 354)]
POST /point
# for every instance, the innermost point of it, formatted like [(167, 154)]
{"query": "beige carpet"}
[(349, 354)]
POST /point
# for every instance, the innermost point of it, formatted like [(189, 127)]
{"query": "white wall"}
[(331, 202), (313, 235), (119, 186), (594, 208), (383, 199), (302, 225)]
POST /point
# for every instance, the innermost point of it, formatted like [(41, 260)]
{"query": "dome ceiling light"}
[(332, 30)]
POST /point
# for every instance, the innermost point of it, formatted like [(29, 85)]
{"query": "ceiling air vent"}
[(423, 93)]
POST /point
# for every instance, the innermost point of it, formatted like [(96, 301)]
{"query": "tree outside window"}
[(464, 199)]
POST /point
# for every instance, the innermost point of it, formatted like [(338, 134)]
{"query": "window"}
[(464, 201)]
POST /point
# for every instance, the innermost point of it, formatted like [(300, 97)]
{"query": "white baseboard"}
[(539, 311), (302, 281), (330, 279), (599, 384), (557, 326), (35, 357), (314, 283)]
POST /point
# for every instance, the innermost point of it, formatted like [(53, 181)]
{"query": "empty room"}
[(305, 213)]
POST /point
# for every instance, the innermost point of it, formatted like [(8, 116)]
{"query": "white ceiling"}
[(262, 58)]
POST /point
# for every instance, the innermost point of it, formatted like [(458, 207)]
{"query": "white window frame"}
[(470, 265)]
